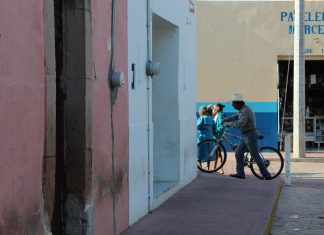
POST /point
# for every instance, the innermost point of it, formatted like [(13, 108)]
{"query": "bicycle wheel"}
[(213, 155), (273, 161)]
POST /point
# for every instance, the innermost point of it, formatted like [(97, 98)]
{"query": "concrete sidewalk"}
[(301, 205), (214, 204)]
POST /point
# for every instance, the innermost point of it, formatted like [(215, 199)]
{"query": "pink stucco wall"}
[(102, 131), (22, 93)]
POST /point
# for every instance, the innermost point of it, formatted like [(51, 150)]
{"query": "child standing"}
[(218, 118)]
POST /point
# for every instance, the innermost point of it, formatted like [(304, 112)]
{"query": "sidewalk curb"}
[(270, 220), (313, 160)]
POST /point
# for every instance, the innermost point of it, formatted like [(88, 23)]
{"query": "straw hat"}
[(237, 97)]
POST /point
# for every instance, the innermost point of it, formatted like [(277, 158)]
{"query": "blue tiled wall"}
[(267, 121)]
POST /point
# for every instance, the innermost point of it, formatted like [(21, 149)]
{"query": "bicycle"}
[(272, 158)]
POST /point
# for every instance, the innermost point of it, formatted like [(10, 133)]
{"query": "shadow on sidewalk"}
[(214, 204)]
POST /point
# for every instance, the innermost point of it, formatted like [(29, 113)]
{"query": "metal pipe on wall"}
[(113, 97), (149, 58)]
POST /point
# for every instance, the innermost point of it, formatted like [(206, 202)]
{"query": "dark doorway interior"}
[(57, 223), (314, 102)]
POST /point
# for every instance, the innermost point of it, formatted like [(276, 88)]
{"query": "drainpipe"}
[(113, 97), (149, 58)]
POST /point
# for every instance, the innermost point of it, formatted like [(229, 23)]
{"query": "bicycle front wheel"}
[(212, 156), (273, 161)]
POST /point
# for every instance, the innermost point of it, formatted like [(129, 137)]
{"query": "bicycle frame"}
[(226, 136)]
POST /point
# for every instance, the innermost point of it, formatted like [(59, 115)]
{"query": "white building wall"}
[(140, 103), (138, 111)]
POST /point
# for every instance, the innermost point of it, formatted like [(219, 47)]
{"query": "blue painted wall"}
[(266, 115)]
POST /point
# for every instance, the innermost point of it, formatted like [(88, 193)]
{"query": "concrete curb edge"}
[(273, 212), (312, 160)]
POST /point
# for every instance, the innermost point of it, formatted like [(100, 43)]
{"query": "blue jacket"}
[(205, 128), (219, 126)]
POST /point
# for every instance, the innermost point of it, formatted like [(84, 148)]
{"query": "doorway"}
[(314, 101), (54, 152), (165, 107), (67, 178), (59, 203)]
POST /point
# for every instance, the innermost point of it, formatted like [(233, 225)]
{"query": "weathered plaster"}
[(110, 192), (22, 108)]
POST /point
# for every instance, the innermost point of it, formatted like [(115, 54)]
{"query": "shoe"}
[(237, 176), (267, 177)]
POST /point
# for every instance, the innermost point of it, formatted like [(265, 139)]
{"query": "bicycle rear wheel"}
[(273, 161), (214, 155)]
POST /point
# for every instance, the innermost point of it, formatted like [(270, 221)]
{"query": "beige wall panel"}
[(238, 45)]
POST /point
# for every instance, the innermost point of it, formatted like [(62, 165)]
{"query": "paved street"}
[(301, 205), (214, 204), (230, 202)]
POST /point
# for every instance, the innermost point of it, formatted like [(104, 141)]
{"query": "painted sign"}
[(314, 22)]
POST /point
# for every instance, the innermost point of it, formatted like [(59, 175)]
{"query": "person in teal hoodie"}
[(205, 128), (218, 115)]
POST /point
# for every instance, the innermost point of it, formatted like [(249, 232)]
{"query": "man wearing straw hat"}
[(245, 121)]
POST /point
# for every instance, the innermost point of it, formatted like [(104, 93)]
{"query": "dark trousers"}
[(249, 142)]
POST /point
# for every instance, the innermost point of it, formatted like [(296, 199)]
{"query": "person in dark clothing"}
[(245, 121)]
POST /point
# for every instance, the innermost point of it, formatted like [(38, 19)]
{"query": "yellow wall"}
[(238, 46)]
